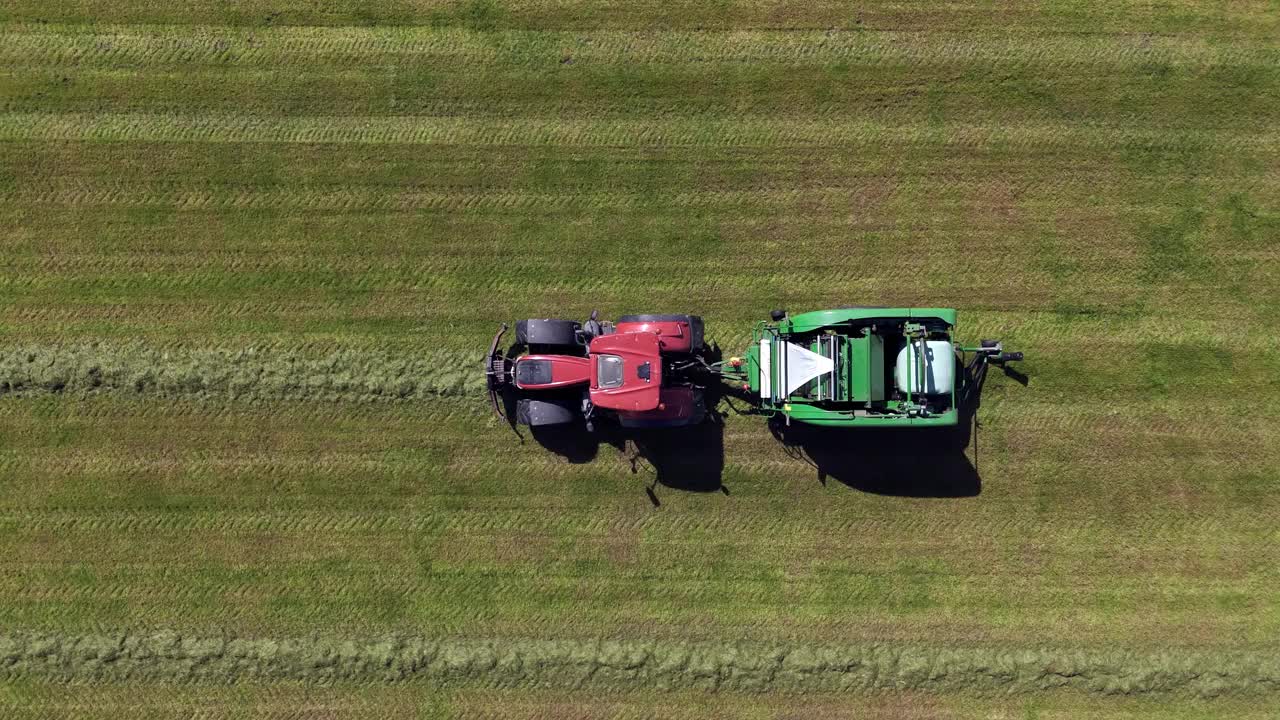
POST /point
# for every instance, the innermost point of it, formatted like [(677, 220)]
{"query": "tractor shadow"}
[(688, 459), (919, 463)]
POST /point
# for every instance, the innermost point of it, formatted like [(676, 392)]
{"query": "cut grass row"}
[(1168, 83), (1252, 18), (1133, 172), (1048, 135), (629, 665), (248, 373), (321, 48)]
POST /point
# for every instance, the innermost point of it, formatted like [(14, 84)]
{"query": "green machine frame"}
[(855, 386)]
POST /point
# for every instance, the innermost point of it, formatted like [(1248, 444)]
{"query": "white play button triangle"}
[(802, 366)]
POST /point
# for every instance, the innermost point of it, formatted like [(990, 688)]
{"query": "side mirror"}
[(590, 329)]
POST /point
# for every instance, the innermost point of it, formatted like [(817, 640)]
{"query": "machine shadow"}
[(904, 463), (923, 463), (689, 459)]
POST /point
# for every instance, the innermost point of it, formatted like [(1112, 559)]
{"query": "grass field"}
[(252, 253)]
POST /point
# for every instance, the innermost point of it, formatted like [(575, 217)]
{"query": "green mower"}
[(862, 367)]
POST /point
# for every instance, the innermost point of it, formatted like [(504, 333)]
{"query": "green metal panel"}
[(807, 322), (862, 388), (803, 412), (752, 361), (860, 368), (946, 315), (875, 368)]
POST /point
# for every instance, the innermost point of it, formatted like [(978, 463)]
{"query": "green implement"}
[(862, 367)]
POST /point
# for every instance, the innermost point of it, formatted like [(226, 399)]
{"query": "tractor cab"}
[(626, 371), (642, 371), (623, 371)]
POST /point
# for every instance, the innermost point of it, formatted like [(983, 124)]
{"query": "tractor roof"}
[(640, 366)]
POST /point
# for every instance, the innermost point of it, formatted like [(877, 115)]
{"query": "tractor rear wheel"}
[(540, 413), (697, 414), (696, 343), (547, 333)]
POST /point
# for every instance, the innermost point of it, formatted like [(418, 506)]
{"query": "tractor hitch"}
[(498, 371)]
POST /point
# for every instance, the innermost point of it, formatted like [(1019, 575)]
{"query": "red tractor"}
[(644, 371)]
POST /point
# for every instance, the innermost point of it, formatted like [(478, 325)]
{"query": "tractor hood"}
[(626, 371)]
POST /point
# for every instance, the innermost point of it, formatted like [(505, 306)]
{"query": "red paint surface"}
[(565, 370), (675, 403), (634, 394), (672, 336)]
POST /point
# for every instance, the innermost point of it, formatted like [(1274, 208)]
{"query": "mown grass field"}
[(253, 251)]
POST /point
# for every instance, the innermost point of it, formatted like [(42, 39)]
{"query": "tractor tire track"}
[(168, 46), (762, 201), (1046, 137)]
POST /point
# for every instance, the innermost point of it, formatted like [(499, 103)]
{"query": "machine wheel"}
[(696, 343), (990, 343), (547, 332), (540, 413)]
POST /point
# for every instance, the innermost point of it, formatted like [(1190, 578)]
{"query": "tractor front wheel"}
[(541, 413), (696, 343), (547, 333)]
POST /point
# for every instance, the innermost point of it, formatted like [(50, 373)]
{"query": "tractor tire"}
[(541, 413), (990, 343), (696, 417), (547, 333), (696, 343)]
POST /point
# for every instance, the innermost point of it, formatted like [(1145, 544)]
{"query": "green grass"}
[(251, 254)]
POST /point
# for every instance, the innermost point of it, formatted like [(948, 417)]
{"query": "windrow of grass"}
[(245, 374), (547, 663)]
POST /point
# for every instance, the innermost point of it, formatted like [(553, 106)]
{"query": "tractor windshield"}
[(608, 371)]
